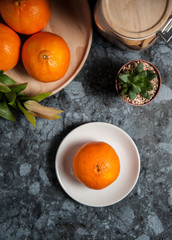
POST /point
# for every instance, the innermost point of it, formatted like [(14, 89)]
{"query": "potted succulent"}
[(138, 82)]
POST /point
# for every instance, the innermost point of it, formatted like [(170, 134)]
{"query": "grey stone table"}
[(33, 205)]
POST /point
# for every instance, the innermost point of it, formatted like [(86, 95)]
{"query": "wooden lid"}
[(136, 18)]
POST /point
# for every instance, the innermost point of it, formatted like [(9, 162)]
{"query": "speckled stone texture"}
[(33, 205)]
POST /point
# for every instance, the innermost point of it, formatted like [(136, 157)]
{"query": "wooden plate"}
[(72, 21)]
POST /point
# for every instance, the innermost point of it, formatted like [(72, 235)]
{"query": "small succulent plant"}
[(136, 81)]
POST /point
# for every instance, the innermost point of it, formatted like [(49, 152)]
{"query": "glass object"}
[(134, 24)]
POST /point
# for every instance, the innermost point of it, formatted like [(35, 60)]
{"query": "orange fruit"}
[(46, 56), (10, 44), (96, 164), (26, 16)]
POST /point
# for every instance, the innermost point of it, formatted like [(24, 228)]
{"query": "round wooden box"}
[(134, 24)]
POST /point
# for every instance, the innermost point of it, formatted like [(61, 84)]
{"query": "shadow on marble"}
[(67, 161), (101, 76), (51, 155)]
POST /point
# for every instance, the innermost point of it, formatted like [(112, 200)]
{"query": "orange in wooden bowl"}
[(46, 56), (96, 165), (10, 44), (26, 16)]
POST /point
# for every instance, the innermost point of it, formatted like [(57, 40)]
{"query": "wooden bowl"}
[(72, 21)]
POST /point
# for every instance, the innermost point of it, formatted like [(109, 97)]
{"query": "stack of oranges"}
[(45, 55)]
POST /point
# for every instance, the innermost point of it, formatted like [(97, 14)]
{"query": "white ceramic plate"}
[(129, 164)]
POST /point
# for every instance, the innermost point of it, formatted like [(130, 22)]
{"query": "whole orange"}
[(46, 56), (96, 164), (26, 16), (10, 44)]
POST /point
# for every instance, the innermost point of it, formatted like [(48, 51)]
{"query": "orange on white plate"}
[(124, 147)]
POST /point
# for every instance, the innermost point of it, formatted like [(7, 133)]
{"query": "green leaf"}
[(41, 96), (136, 88), (145, 94), (143, 84), (124, 77), (124, 85), (27, 114), (5, 79), (149, 86), (19, 87), (4, 89), (143, 74), (1, 96), (11, 96), (21, 94), (1, 72), (124, 90), (6, 112), (140, 84), (37, 98), (137, 78), (151, 75), (132, 95), (139, 68)]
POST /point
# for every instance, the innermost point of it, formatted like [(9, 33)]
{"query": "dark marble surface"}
[(32, 203)]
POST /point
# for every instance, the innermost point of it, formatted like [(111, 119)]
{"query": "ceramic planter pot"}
[(156, 87)]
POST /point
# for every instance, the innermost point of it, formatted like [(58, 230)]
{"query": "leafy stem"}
[(12, 98)]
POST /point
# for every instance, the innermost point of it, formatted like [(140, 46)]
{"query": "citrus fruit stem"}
[(44, 56), (97, 168), (17, 3)]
